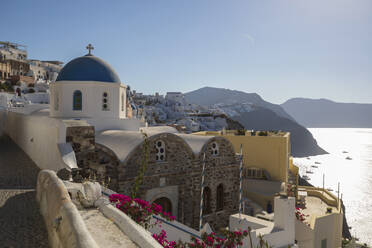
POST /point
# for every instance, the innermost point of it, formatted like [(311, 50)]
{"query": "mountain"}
[(326, 113), (302, 142), (254, 113), (209, 96)]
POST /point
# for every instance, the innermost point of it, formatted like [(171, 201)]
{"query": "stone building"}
[(13, 60), (15, 64), (173, 174)]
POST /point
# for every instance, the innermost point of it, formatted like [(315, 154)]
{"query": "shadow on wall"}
[(17, 170), (2, 121), (21, 222)]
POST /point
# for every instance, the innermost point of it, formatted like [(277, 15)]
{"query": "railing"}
[(175, 226), (323, 194)]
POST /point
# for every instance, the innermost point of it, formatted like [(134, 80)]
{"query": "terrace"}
[(317, 202)]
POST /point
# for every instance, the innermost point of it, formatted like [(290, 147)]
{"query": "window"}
[(255, 173), (77, 100), (160, 150), (214, 150), (220, 197), (324, 243), (207, 201), (105, 102)]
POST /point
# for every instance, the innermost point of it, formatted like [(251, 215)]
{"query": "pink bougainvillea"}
[(141, 211), (299, 215)]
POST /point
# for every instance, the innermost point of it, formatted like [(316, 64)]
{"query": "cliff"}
[(326, 113)]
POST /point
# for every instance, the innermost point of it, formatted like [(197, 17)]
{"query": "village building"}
[(15, 65), (88, 128)]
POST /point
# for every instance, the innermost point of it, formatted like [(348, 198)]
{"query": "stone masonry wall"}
[(94, 160), (183, 169)]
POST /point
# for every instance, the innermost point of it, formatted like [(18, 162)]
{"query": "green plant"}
[(7, 87), (263, 243), (143, 168), (262, 133), (240, 132)]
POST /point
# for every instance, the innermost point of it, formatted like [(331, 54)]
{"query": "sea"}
[(349, 163)]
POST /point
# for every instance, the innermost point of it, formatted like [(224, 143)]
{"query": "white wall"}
[(284, 218), (37, 136), (304, 235), (5, 98), (65, 226), (115, 124), (328, 226), (37, 97), (281, 233), (92, 94)]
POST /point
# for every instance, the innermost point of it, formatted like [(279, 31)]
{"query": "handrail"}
[(179, 228)]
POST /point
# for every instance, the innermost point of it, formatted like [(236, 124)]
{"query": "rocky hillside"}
[(253, 112), (326, 113), (209, 96), (302, 142)]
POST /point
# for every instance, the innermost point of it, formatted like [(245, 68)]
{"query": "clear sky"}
[(277, 48)]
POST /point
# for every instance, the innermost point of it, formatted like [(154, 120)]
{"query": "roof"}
[(195, 142), (120, 142), (88, 68), (123, 142)]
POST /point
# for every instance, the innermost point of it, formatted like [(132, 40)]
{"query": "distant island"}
[(327, 113), (255, 113)]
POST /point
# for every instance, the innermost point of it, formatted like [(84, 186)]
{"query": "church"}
[(88, 127)]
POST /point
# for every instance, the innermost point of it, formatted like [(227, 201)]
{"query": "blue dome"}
[(88, 68)]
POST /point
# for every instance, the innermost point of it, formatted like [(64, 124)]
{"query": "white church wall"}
[(116, 124), (92, 99)]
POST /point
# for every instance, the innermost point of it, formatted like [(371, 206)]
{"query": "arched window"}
[(77, 100), (105, 102), (160, 150), (207, 201), (220, 197), (165, 204), (215, 150)]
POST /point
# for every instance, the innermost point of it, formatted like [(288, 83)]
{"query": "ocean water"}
[(354, 176)]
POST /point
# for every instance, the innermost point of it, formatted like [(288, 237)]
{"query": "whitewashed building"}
[(88, 87)]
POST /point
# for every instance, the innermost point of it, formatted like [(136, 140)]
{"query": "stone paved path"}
[(21, 224)]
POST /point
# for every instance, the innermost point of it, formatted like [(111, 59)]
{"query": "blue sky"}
[(277, 48)]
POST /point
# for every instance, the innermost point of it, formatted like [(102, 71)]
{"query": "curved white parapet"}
[(66, 228), (134, 231)]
